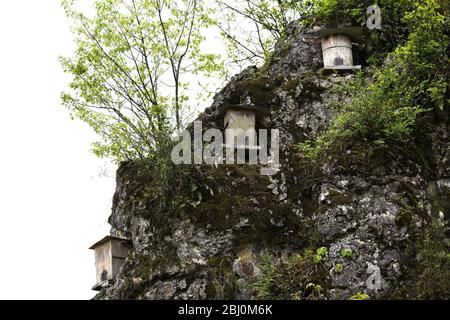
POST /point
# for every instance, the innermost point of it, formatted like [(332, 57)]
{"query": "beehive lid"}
[(353, 32), (245, 107), (106, 239), (259, 111)]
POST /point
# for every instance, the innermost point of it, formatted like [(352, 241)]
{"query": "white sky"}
[(53, 205)]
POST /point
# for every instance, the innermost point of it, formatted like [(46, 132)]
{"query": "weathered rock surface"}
[(218, 248)]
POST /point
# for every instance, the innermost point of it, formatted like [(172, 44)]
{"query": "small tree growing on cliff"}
[(252, 27), (129, 71)]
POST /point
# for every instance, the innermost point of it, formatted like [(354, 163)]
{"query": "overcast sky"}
[(53, 205)]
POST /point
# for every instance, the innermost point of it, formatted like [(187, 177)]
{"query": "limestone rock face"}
[(217, 249)]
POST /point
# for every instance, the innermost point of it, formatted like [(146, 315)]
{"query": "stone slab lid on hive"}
[(227, 107), (259, 111), (109, 238)]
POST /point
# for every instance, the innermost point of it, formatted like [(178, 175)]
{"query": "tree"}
[(252, 27), (129, 70)]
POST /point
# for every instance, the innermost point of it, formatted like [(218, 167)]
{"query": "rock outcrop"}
[(368, 213)]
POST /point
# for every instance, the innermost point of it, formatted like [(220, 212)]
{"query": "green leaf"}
[(346, 253), (359, 296)]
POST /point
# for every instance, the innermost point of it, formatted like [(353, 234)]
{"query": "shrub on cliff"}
[(385, 105)]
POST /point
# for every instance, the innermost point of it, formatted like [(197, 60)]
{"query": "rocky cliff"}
[(354, 224)]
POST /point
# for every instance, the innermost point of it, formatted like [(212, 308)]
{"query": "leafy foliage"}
[(359, 296), (321, 254), (128, 70), (384, 108), (269, 273), (338, 268), (251, 28), (346, 253), (300, 278), (428, 264), (394, 28)]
